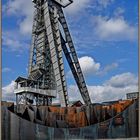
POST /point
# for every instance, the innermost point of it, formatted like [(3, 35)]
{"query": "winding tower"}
[(51, 40)]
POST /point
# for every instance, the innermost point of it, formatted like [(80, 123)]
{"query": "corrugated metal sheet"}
[(124, 125)]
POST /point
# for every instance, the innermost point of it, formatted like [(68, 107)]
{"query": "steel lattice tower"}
[(50, 38)]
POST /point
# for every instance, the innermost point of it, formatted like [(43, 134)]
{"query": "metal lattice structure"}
[(50, 39)]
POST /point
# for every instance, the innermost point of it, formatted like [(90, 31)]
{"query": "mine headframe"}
[(50, 38), (62, 3)]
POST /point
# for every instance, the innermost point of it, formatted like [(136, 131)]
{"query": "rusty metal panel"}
[(123, 125)]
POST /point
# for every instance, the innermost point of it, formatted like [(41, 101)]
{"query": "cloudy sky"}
[(105, 37)]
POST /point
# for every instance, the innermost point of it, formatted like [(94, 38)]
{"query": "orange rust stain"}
[(54, 109), (71, 110), (81, 119), (62, 110), (75, 118)]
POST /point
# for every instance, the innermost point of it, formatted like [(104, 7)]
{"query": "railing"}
[(35, 91)]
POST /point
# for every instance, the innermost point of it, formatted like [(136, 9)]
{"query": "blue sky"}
[(105, 37)]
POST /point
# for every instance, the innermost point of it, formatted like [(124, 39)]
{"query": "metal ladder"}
[(73, 60)]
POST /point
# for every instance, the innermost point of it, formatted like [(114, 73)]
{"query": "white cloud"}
[(8, 92), (19, 7), (105, 3), (108, 91), (114, 29), (24, 9), (113, 89), (107, 68), (13, 42), (26, 26), (122, 80), (88, 65), (14, 7), (119, 12), (6, 70), (81, 5), (73, 93), (108, 29), (77, 6)]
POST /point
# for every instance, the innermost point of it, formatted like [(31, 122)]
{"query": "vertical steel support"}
[(73, 59), (52, 30)]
